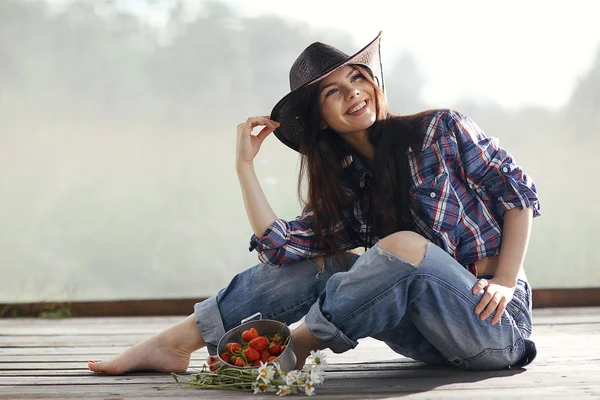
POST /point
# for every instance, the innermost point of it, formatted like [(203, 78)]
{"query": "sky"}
[(513, 53)]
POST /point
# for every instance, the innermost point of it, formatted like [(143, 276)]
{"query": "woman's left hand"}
[(496, 297)]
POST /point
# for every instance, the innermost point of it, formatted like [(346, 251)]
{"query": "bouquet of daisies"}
[(268, 377)]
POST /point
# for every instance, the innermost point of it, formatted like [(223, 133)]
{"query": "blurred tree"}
[(582, 113), (404, 84)]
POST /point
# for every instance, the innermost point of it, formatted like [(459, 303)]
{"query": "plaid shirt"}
[(462, 183)]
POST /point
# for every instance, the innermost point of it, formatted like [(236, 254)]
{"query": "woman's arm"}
[(515, 238), (493, 169), (259, 211), (277, 241)]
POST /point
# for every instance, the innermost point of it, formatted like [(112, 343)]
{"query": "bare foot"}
[(167, 351)]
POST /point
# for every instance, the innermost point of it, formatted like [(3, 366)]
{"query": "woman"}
[(443, 213)]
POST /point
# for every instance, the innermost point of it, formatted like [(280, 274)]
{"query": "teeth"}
[(357, 108)]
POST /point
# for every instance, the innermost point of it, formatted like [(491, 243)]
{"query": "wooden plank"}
[(11, 351), (158, 307), (70, 340), (576, 297), (140, 392), (568, 365), (542, 298), (405, 379), (198, 356)]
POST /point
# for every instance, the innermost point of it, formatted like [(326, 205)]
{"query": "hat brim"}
[(285, 112)]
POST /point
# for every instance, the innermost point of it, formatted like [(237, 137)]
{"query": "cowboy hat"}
[(315, 63)]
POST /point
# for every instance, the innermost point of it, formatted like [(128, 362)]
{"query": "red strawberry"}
[(226, 357), (264, 355), (233, 347), (272, 358), (283, 348), (239, 362), (251, 354), (249, 334), (256, 362), (277, 338), (259, 343), (274, 349)]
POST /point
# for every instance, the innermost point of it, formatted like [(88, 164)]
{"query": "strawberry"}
[(272, 358), (256, 362), (251, 354), (283, 348), (233, 347), (226, 357), (259, 343), (249, 334), (274, 349), (277, 338), (264, 355), (239, 362)]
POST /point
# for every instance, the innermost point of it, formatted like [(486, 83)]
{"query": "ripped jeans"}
[(425, 312)]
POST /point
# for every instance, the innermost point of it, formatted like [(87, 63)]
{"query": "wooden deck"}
[(42, 358)]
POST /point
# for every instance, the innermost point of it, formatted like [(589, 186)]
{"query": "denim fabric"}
[(425, 312)]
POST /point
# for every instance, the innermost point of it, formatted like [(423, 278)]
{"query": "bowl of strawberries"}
[(253, 342)]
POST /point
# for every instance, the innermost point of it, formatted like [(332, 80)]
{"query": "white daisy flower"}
[(309, 389), (318, 358), (292, 377), (284, 390), (316, 376), (265, 372)]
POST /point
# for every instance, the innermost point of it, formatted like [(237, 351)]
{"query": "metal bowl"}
[(266, 327)]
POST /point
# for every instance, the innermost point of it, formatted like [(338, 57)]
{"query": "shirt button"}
[(505, 170), (432, 195)]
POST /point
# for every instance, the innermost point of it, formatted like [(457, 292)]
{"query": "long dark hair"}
[(324, 154)]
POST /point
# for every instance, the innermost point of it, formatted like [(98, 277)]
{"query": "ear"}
[(323, 126)]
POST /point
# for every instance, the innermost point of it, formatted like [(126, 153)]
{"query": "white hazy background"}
[(118, 122)]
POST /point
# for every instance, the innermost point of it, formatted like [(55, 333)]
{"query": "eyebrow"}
[(335, 83)]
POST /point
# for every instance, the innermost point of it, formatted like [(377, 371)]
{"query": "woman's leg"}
[(167, 351), (282, 293), (404, 275)]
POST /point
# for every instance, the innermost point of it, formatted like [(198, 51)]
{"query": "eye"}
[(329, 93), (356, 77)]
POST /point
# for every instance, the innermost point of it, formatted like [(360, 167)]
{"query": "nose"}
[(352, 93)]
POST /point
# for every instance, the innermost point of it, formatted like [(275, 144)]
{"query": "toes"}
[(214, 366), (94, 366), (213, 363)]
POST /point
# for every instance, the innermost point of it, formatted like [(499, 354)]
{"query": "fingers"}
[(491, 306), (499, 311), (266, 131), (483, 303), (494, 301), (253, 122), (480, 285)]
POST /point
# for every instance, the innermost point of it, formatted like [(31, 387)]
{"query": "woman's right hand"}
[(248, 144)]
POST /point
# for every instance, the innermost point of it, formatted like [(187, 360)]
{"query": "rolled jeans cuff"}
[(327, 332), (209, 323)]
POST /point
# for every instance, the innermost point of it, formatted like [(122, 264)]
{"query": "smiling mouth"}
[(357, 108)]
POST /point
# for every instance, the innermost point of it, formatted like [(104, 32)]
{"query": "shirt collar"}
[(359, 169)]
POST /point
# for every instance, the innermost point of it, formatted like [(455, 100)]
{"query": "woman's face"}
[(347, 101)]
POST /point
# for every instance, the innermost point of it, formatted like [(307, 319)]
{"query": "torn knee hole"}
[(407, 246)]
